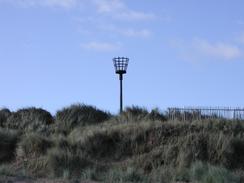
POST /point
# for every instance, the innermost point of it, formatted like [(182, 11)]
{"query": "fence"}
[(184, 114)]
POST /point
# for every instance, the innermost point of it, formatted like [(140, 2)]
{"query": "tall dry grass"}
[(84, 142)]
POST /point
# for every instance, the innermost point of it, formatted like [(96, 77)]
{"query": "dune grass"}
[(82, 142)]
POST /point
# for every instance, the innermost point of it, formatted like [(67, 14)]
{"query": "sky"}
[(54, 53)]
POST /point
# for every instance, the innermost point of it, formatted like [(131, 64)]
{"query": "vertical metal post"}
[(121, 93), (121, 64)]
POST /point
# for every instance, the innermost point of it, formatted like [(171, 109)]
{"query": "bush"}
[(8, 142), (31, 119), (79, 115), (4, 114)]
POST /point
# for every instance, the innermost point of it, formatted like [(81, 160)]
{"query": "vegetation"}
[(205, 173), (84, 143), (8, 142), (30, 119), (4, 114), (79, 115)]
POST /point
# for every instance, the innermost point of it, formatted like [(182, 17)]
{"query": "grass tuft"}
[(30, 120), (206, 173), (63, 163), (83, 142), (79, 115), (8, 142), (4, 114)]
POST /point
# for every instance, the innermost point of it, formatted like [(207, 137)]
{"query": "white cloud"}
[(128, 32), (218, 50), (48, 3), (107, 6), (117, 9), (101, 46), (114, 8), (135, 15), (202, 49), (136, 33), (61, 3)]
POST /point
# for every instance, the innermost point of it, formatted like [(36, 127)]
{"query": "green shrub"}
[(30, 119), (8, 142), (79, 115)]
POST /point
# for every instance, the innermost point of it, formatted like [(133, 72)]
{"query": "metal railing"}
[(192, 113)]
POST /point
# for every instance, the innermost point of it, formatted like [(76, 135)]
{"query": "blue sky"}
[(54, 53)]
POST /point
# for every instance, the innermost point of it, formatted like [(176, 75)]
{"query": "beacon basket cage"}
[(121, 64)]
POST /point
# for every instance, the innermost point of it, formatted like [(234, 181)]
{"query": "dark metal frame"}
[(121, 65), (193, 113)]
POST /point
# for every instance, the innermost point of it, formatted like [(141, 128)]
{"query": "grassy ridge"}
[(82, 142)]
